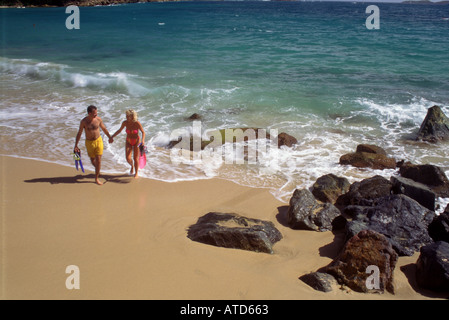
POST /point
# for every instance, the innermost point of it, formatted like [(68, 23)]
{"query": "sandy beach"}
[(128, 239)]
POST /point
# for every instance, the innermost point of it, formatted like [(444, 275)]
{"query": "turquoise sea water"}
[(311, 69)]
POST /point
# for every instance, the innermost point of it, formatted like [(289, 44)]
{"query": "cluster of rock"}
[(381, 218), (245, 133)]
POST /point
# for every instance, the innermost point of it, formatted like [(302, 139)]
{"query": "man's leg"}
[(97, 170), (96, 162)]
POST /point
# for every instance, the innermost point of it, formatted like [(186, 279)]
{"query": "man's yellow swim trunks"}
[(94, 147)]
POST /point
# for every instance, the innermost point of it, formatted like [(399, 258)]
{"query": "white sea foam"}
[(51, 111)]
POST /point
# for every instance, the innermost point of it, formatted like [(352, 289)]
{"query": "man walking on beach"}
[(94, 143)]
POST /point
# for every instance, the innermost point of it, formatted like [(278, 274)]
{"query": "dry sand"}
[(128, 239)]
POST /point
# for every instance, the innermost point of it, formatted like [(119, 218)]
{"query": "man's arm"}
[(78, 136), (103, 127)]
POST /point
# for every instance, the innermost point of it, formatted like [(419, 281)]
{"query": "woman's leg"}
[(136, 159), (128, 151)]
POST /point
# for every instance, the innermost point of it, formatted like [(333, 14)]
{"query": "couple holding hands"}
[(91, 125)]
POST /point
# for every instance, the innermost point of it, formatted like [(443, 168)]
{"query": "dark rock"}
[(415, 190), (285, 139), (329, 187), (432, 176), (368, 160), (426, 173), (439, 227), (306, 213), (367, 248), (368, 156), (355, 212), (195, 116), (435, 126), (365, 192), (400, 163), (173, 143), (319, 281), (401, 219), (190, 143), (230, 230), (369, 148), (432, 267)]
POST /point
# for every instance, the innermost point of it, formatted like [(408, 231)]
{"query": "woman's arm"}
[(119, 130), (143, 132)]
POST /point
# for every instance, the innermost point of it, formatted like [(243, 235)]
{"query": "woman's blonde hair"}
[(132, 113)]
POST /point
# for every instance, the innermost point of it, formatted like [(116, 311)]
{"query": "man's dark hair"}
[(91, 108)]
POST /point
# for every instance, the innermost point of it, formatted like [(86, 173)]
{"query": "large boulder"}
[(368, 156), (230, 230), (415, 190), (284, 139), (439, 228), (306, 213), (432, 267), (432, 176), (435, 126), (370, 148), (363, 255), (365, 192), (329, 187), (401, 219)]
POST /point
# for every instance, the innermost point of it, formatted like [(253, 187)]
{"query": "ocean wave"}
[(119, 82), (402, 114)]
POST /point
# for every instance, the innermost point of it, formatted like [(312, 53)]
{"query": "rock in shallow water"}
[(435, 126)]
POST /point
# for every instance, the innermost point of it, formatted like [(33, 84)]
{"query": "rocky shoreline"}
[(85, 3), (380, 219), (65, 3)]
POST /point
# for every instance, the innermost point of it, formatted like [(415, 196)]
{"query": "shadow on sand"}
[(331, 250), (88, 178)]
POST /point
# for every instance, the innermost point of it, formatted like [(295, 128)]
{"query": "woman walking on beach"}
[(133, 140)]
